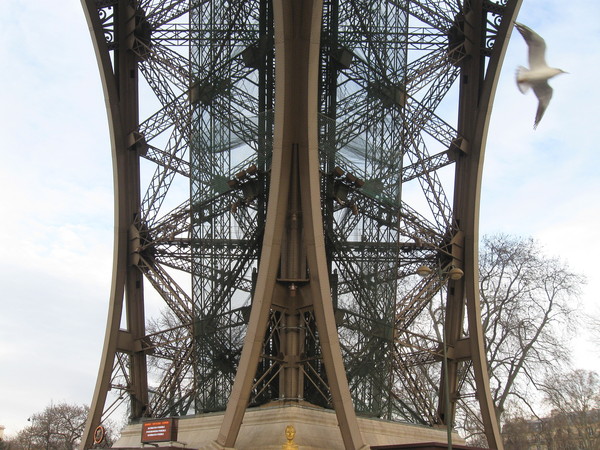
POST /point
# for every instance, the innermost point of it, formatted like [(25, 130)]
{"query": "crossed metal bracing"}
[(372, 122), (388, 140), (266, 388)]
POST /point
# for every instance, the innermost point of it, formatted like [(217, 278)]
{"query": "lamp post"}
[(453, 273)]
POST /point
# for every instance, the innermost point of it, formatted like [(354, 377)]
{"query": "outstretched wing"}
[(543, 91), (536, 44)]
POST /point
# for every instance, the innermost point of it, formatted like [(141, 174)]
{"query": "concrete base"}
[(264, 429)]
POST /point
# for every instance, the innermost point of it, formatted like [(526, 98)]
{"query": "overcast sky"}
[(57, 201)]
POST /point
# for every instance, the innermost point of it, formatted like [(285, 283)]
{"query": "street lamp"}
[(454, 273), (424, 271)]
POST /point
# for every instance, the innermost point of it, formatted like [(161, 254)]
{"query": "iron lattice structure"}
[(403, 99)]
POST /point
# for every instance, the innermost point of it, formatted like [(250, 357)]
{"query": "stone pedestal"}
[(264, 429)]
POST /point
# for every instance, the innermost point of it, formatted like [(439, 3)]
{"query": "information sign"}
[(159, 430)]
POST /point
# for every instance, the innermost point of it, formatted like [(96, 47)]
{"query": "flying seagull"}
[(539, 73)]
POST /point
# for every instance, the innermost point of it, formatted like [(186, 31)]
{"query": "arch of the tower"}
[(296, 192)]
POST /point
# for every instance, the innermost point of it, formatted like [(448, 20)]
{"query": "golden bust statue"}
[(290, 432)]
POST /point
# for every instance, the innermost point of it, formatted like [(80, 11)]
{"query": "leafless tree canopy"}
[(58, 427), (573, 392), (530, 304), (574, 420), (529, 307)]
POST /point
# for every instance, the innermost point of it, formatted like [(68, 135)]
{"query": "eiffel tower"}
[(296, 207)]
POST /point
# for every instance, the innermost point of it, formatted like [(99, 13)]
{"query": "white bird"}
[(539, 73)]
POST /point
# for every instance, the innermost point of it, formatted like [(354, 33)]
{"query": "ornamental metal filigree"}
[(106, 14), (494, 12)]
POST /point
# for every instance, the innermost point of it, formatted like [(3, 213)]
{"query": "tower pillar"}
[(293, 267)]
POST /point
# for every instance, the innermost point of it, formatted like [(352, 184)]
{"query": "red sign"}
[(159, 430)]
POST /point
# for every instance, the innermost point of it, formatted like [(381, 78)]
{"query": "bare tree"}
[(575, 401), (530, 304), (573, 392), (58, 427), (518, 434), (574, 423), (529, 308)]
